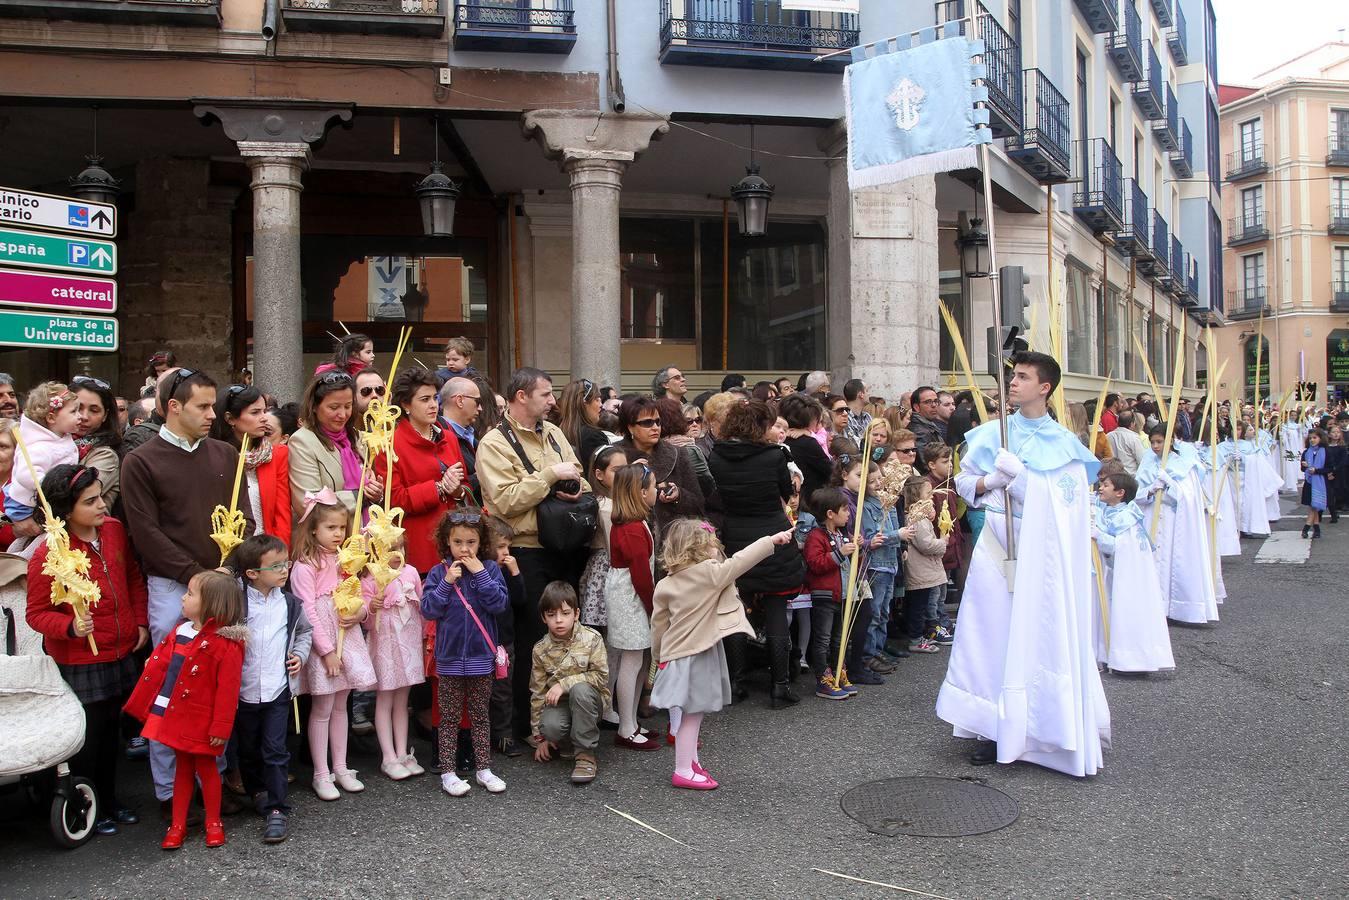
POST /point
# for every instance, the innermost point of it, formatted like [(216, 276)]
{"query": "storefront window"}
[(954, 293), (1079, 320), (1250, 360)]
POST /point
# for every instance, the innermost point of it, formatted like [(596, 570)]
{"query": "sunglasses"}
[(587, 390), (99, 383), (335, 378), (465, 518), (840, 411), (283, 566), (178, 378), (647, 423), (696, 420), (906, 449), (377, 390)]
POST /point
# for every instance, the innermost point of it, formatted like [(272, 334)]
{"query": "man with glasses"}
[(9, 398), (926, 423), (369, 385), (460, 401), (669, 382), (170, 486)]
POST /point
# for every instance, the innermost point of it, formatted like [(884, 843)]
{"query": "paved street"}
[(1227, 779)]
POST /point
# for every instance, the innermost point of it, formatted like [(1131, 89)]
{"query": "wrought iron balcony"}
[(1102, 15), (1158, 262), (1250, 161), (1167, 129), (1248, 228), (1148, 92), (1339, 218), (533, 26), (202, 13), (1043, 146), (1182, 159), (417, 18), (730, 33), (1099, 198), (1337, 150), (1247, 302), (1132, 239), (1180, 271), (1192, 267), (1162, 9), (1002, 57), (1176, 39), (1339, 295), (1126, 44)]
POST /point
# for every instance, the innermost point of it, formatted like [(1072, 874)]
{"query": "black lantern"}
[(95, 183), (974, 256), (437, 194), (751, 195)]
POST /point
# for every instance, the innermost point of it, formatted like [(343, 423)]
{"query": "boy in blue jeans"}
[(880, 534)]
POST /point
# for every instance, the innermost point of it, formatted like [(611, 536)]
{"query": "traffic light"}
[(1012, 303)]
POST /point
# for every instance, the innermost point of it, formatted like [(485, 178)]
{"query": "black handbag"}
[(564, 525)]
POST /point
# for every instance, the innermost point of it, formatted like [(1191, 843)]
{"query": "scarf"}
[(351, 463), (85, 444), (260, 456)]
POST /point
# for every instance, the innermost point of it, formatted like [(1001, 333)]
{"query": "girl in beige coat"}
[(924, 572)]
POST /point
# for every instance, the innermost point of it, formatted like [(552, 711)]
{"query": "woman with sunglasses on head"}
[(98, 438), (579, 406), (241, 410), (428, 471), (324, 453)]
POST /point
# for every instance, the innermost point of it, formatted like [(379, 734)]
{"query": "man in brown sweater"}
[(170, 485)]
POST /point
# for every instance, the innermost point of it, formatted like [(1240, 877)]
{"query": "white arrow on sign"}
[(102, 257), (30, 209)]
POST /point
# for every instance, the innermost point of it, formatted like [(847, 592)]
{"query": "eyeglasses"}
[(335, 378), (99, 383), (465, 518), (906, 449), (377, 390), (587, 389), (476, 398), (178, 378), (647, 423), (283, 566), (838, 411), (677, 376), (696, 420), (235, 389)]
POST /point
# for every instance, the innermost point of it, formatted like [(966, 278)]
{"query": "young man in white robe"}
[(1293, 440), (1022, 676), (1137, 640), (1182, 546)]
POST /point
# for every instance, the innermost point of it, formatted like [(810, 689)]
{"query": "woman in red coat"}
[(118, 623), (242, 410), (428, 471), (189, 692)]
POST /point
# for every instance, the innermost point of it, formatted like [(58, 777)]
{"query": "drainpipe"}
[(270, 13), (616, 100)]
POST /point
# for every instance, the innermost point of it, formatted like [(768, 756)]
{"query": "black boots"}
[(985, 753), (780, 665), (1306, 530), (1316, 531), (736, 646)]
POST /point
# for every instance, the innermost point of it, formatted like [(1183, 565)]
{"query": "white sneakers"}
[(493, 784), (347, 781), (323, 786), (458, 787)]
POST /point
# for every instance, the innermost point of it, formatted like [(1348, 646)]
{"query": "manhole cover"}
[(929, 807)]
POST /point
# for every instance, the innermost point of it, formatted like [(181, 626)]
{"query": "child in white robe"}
[(1182, 545)]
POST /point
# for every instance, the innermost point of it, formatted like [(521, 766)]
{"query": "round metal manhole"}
[(929, 807)]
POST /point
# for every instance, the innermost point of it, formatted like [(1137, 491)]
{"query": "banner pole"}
[(999, 376)]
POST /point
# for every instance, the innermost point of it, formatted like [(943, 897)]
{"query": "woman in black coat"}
[(803, 414), (1337, 468), (754, 483)]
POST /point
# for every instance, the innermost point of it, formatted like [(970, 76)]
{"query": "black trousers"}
[(501, 709), (537, 567), (97, 759), (260, 731)]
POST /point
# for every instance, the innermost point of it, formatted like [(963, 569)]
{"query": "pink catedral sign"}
[(91, 295)]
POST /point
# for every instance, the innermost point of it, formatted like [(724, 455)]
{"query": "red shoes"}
[(173, 838), (632, 743), (215, 834), (699, 782)]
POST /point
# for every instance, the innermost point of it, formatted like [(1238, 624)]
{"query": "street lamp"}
[(751, 195), (95, 183), (437, 194), (973, 244)]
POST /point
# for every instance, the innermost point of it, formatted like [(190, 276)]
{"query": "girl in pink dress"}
[(396, 651), (328, 678)]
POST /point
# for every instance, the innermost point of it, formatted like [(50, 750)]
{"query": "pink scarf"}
[(351, 463)]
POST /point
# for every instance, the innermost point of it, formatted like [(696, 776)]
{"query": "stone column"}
[(884, 324), (277, 327), (594, 149)]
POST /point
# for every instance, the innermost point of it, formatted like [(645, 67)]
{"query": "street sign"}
[(61, 332), (89, 295), (69, 214), (36, 250)]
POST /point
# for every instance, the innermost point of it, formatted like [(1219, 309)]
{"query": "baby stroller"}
[(41, 721)]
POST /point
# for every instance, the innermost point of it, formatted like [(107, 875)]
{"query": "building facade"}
[(1285, 141), (269, 152)]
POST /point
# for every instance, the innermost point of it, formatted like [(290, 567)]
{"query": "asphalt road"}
[(1227, 779)]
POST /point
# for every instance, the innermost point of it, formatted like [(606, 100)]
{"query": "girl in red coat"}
[(189, 692), (628, 590), (117, 621)]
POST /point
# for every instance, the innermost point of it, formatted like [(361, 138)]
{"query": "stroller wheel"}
[(73, 813)]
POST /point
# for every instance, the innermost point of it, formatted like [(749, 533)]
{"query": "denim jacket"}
[(876, 519)]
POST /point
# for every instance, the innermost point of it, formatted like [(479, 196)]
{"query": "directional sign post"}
[(57, 331), (68, 214), (36, 250), (88, 295)]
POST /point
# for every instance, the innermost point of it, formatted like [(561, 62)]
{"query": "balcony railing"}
[(1339, 295), (1192, 267), (1132, 239), (1148, 92), (1248, 161), (1099, 198), (1339, 217), (535, 26), (1002, 56), (731, 33), (419, 18), (1247, 302), (1176, 39), (1102, 15), (1160, 265), (1167, 129), (1179, 269), (1126, 44), (1162, 9), (204, 13), (1248, 228), (1043, 146), (1182, 159), (1337, 150)]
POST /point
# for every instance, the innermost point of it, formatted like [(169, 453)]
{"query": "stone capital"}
[(281, 121), (572, 135), (274, 163)]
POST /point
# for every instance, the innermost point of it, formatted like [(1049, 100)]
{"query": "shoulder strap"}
[(513, 439), (11, 641), (468, 606)]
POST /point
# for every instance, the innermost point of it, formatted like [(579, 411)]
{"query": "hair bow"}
[(313, 498)]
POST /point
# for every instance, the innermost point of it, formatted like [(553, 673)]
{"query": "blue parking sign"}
[(79, 216), (79, 254)]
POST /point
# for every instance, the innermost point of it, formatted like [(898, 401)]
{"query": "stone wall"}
[(175, 275)]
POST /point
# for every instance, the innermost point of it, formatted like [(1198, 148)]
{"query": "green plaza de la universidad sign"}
[(58, 331)]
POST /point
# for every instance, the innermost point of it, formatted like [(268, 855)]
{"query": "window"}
[(1339, 126), (1339, 198), (1253, 279), (1104, 364), (1113, 125), (1117, 349), (1251, 139), (1339, 268), (1138, 155), (1083, 112), (1215, 260), (1211, 143), (1079, 320), (1211, 46), (656, 262), (1014, 20), (1253, 207)]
